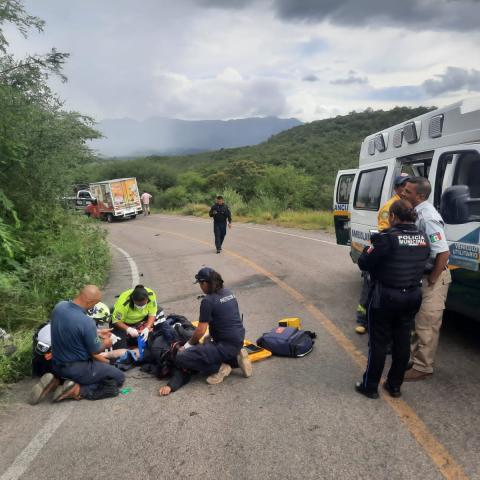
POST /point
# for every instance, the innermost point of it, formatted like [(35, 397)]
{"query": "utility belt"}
[(400, 289)]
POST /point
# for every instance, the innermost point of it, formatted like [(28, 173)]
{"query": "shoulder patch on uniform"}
[(385, 214), (435, 237), (150, 293), (118, 316)]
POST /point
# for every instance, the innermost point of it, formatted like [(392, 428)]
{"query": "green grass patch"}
[(304, 219), (17, 365)]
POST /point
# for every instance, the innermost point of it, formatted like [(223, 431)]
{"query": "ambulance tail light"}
[(381, 142), (411, 131), (435, 127)]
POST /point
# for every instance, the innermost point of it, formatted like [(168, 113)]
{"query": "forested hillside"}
[(293, 170)]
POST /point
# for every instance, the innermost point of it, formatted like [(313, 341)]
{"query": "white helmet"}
[(100, 313)]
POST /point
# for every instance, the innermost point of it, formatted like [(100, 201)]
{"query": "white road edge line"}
[(304, 237), (133, 267), (28, 454)]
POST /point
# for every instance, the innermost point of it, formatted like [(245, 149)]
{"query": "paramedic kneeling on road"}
[(134, 315), (223, 350), (75, 343), (396, 261), (436, 281)]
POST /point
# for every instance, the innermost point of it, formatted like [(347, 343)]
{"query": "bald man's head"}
[(89, 296)]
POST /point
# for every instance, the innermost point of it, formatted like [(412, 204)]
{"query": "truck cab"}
[(443, 146)]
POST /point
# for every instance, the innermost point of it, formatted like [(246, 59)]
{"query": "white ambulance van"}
[(444, 146)]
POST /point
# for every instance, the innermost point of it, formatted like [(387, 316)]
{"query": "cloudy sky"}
[(220, 59)]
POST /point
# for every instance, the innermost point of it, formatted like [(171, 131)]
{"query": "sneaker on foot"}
[(69, 389), (244, 363), (360, 329), (42, 388), (218, 377), (218, 251)]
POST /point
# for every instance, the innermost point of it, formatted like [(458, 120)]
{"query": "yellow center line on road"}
[(438, 454)]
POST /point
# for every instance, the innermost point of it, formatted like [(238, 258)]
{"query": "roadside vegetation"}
[(46, 253)]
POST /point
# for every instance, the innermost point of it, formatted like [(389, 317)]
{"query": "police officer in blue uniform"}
[(221, 215), (222, 349), (396, 261)]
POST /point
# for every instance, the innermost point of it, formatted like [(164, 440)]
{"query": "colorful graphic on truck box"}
[(117, 193)]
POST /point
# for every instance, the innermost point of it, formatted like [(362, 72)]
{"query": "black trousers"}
[(387, 326), (219, 230), (206, 358)]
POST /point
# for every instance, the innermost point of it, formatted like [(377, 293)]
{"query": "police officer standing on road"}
[(383, 223), (221, 214), (435, 282), (396, 262)]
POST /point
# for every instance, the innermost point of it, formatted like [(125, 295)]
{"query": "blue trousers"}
[(91, 376), (219, 230), (208, 357)]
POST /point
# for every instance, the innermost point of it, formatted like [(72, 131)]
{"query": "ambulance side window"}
[(369, 189), (345, 183), (459, 168), (467, 172)]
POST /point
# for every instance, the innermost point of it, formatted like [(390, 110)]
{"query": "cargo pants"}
[(428, 322)]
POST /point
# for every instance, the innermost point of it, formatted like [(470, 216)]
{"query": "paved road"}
[(294, 418)]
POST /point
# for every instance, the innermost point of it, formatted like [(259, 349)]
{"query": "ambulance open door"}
[(341, 200)]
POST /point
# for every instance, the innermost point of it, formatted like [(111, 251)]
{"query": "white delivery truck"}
[(444, 146), (117, 198)]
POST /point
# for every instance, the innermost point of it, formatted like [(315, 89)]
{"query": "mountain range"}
[(167, 136)]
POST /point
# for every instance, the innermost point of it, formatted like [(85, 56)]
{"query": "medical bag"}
[(287, 341)]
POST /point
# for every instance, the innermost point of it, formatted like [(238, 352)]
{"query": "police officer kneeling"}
[(396, 261), (222, 349)]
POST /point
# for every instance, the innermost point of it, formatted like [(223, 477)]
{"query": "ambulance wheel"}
[(109, 218)]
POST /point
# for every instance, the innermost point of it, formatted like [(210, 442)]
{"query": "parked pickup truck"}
[(112, 199)]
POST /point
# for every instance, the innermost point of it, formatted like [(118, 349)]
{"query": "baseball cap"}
[(203, 274), (401, 179)]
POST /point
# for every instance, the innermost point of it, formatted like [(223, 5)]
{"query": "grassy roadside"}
[(306, 219), (75, 253)]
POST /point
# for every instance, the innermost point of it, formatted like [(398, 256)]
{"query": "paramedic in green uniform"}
[(133, 315)]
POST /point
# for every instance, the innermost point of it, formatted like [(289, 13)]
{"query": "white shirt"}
[(145, 198), (431, 223)]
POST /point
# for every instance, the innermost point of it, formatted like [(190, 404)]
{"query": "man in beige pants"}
[(436, 281)]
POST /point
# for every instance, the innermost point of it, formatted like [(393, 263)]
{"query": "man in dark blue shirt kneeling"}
[(75, 345)]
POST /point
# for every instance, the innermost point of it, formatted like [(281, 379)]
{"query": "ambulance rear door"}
[(372, 188), (341, 200)]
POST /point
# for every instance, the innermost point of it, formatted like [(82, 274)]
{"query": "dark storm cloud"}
[(411, 14), (352, 79), (310, 78), (453, 80)]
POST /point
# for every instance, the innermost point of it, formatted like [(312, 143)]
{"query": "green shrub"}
[(195, 209), (16, 366), (235, 201)]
